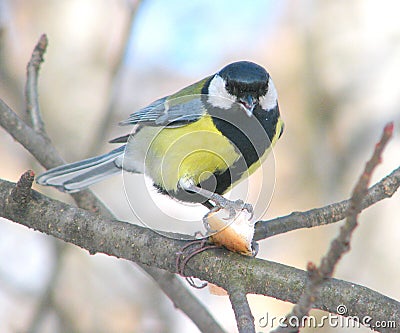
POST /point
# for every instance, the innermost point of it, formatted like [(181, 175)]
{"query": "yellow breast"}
[(194, 152)]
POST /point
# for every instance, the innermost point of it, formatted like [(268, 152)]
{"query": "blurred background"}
[(336, 66)]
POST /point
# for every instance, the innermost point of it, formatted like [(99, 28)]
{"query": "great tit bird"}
[(196, 144)]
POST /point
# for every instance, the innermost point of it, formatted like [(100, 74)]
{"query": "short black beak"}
[(248, 103)]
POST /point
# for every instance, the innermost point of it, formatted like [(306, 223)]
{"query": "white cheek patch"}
[(270, 100), (218, 96)]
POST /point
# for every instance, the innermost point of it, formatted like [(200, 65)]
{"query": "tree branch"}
[(241, 308), (35, 143), (223, 268)]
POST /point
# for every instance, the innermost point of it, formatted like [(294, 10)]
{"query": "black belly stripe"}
[(252, 137)]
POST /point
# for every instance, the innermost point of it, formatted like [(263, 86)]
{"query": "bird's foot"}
[(186, 253), (233, 207)]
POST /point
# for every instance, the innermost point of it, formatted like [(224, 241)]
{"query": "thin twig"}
[(241, 308), (31, 87), (35, 143), (341, 244), (332, 213)]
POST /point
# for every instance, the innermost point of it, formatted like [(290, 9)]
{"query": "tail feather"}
[(79, 175)]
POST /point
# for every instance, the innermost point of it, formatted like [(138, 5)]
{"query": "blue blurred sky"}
[(179, 34)]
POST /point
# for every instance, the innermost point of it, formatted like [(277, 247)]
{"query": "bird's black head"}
[(243, 78), (245, 83)]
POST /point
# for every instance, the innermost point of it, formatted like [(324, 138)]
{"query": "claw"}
[(205, 220), (233, 207), (182, 258), (250, 209)]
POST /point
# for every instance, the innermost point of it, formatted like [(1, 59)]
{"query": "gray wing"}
[(168, 112)]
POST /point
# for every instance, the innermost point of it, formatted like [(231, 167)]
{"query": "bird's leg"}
[(220, 202)]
